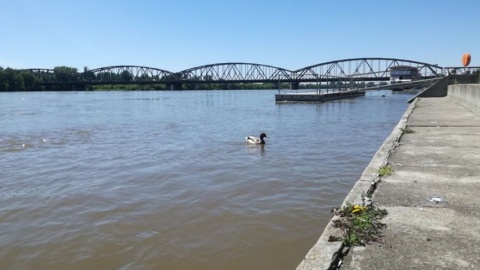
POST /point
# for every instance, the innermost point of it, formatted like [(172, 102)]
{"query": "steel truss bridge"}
[(346, 70)]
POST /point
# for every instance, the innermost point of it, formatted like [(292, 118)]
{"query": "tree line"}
[(15, 80), (64, 77), (24, 80)]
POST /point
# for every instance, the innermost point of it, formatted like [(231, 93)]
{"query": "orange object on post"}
[(466, 59)]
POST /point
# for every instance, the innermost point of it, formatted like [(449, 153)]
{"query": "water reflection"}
[(255, 149)]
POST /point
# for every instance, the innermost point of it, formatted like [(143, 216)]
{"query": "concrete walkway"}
[(440, 159), (432, 199)]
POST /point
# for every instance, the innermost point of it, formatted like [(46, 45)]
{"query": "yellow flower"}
[(358, 208)]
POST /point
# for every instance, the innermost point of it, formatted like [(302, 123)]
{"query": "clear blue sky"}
[(181, 34)]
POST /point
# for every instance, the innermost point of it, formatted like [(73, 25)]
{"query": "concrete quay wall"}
[(466, 94), (440, 88), (451, 109)]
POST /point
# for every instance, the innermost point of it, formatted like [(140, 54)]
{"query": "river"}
[(165, 180)]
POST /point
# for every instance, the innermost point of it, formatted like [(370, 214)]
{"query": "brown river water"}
[(165, 180)]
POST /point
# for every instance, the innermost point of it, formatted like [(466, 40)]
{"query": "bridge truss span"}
[(353, 71), (363, 69), (41, 74), (127, 74), (235, 72)]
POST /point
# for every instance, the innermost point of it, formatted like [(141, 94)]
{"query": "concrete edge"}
[(324, 254), (438, 89)]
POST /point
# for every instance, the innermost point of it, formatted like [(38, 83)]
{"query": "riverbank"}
[(430, 198)]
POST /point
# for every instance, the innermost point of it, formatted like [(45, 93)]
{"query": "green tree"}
[(88, 75), (144, 78), (10, 79), (126, 76), (29, 80), (18, 82), (3, 80), (67, 70), (65, 74)]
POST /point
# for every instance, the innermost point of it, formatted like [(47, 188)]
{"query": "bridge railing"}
[(461, 70)]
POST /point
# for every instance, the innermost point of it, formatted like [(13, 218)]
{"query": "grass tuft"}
[(406, 130), (385, 170)]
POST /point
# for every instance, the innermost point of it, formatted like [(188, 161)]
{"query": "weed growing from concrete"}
[(385, 170), (360, 224), (406, 130)]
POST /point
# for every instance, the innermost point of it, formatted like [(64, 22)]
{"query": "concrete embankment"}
[(432, 197)]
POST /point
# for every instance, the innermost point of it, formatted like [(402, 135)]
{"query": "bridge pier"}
[(175, 86), (294, 85), (79, 87)]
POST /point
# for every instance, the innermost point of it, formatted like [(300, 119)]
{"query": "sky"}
[(175, 35)]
